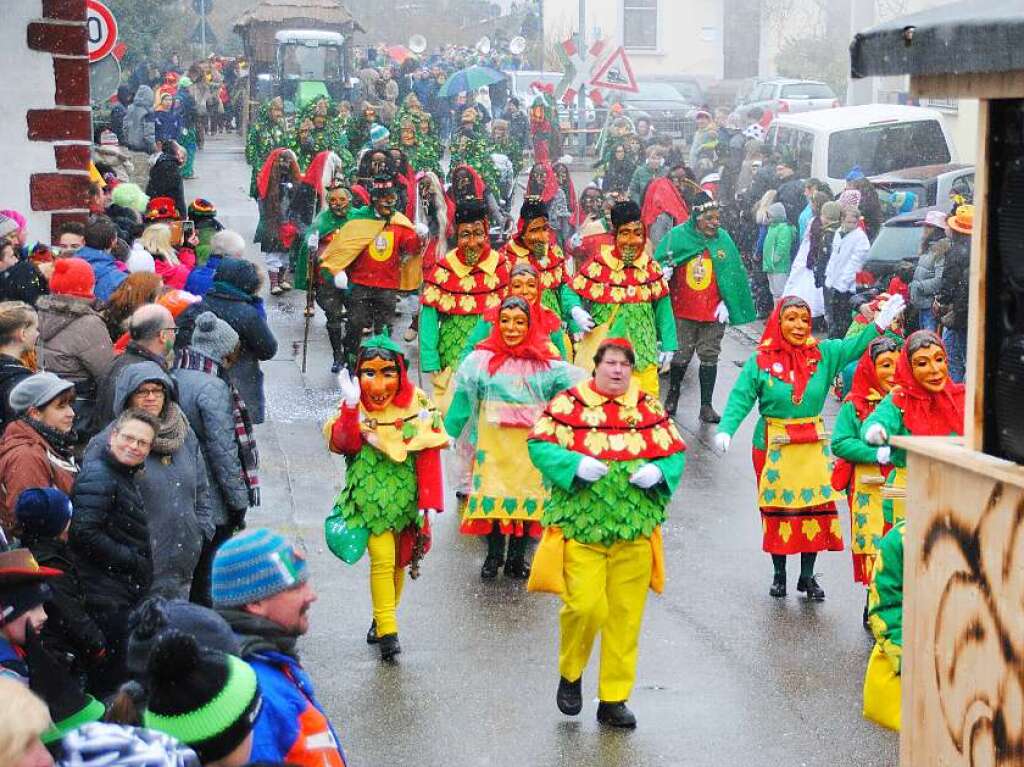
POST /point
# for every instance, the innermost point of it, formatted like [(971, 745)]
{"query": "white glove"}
[(422, 230), (576, 241), (875, 434), (892, 310), (349, 386), (722, 442), (646, 477), (667, 271), (884, 454), (582, 319), (341, 280), (313, 241), (591, 469), (722, 313), (664, 358)]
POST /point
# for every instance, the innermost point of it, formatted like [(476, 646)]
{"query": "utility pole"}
[(202, 26), (581, 111)]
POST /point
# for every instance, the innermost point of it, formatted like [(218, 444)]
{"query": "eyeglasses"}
[(150, 391)]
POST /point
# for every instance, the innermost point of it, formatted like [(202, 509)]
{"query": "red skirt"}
[(797, 531)]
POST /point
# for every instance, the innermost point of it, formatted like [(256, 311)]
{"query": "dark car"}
[(660, 103), (932, 184), (898, 240)]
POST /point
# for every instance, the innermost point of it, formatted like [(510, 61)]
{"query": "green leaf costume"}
[(379, 494)]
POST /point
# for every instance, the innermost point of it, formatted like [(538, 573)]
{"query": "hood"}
[(133, 376), (239, 273), (20, 436), (143, 98), (777, 212), (57, 312), (256, 634), (124, 94)]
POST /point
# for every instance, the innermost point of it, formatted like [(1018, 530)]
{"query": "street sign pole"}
[(202, 23), (581, 112)]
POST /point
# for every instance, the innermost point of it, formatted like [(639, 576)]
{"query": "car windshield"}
[(807, 91), (883, 148), (653, 92), (895, 243), (688, 90), (310, 61)]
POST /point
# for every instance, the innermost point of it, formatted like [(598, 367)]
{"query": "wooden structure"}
[(963, 623)]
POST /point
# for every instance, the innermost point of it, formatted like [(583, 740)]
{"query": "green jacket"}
[(774, 398), (685, 242), (846, 441), (324, 224), (776, 253), (885, 596)]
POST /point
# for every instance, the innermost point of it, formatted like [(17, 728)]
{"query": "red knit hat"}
[(72, 277)]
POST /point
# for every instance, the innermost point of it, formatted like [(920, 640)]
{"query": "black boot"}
[(371, 635), (516, 566), (810, 588), (615, 715), (675, 385), (389, 646), (707, 375), (336, 337), (569, 696), (778, 589), (495, 554)]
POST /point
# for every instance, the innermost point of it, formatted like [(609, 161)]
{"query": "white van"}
[(879, 138)]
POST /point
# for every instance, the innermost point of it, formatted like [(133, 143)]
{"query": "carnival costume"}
[(547, 142), (789, 382), (269, 131), (883, 679), (552, 273), (499, 392), (912, 410), (278, 185), (710, 290), (602, 546), (393, 474), (625, 297)]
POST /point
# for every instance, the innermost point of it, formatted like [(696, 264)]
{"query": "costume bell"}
[(391, 435), (788, 378), (924, 402), (612, 459), (860, 469), (463, 285), (501, 389), (624, 295), (710, 290)]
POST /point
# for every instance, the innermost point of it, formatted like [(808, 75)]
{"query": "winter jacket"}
[(642, 178), (175, 275), (206, 402), (955, 292), (69, 628), (200, 280), (27, 460), (119, 111), (292, 727), (12, 371), (12, 662), (824, 254), (109, 535), (140, 122), (74, 344), (233, 300), (105, 269), (778, 242), (165, 181), (22, 282), (179, 521), (849, 252), (791, 194), (132, 355), (169, 125), (928, 275)]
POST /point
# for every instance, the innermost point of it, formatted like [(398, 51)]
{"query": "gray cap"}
[(213, 337), (37, 391), (7, 225)]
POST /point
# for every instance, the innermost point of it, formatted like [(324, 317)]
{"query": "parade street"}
[(727, 675)]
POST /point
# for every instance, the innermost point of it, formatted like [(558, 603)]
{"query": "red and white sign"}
[(101, 28), (616, 73)]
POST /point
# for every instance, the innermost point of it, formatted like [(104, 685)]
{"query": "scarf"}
[(782, 360), (60, 442), (536, 346), (248, 455), (867, 390), (925, 413), (173, 429)]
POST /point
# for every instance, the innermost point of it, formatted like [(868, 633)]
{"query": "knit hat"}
[(150, 620), (379, 134), (130, 196), (7, 225), (100, 744), (140, 259), (161, 209), (255, 565), (200, 208), (777, 212), (205, 698), (42, 512), (213, 337), (73, 277), (38, 390)]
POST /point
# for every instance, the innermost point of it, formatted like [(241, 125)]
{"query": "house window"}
[(640, 24)]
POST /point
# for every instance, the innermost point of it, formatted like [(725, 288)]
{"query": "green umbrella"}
[(470, 79)]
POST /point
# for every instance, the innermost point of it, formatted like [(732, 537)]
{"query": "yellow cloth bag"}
[(547, 573), (882, 692)]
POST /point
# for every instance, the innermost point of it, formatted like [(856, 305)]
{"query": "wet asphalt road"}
[(727, 675)]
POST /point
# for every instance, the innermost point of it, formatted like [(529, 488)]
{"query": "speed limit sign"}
[(101, 27)]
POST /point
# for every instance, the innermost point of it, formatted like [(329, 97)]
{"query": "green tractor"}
[(309, 64)]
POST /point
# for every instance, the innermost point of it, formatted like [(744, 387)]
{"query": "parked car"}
[(688, 86), (878, 138), (661, 104), (932, 184), (783, 96), (898, 240)]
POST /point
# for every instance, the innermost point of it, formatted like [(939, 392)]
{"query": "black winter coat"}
[(109, 536), (791, 195), (22, 282), (955, 293), (165, 181), (12, 372)]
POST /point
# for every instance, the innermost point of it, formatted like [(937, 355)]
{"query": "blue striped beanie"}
[(255, 565)]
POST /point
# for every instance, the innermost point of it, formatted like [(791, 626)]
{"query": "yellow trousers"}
[(385, 581), (648, 379), (605, 590)]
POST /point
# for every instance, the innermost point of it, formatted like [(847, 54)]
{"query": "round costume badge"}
[(698, 273)]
